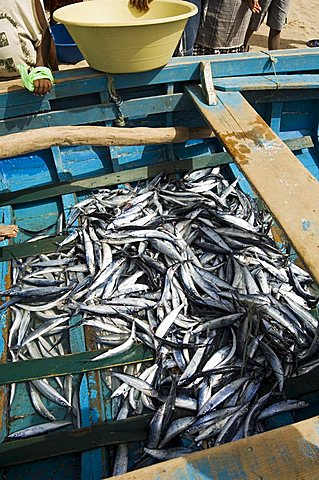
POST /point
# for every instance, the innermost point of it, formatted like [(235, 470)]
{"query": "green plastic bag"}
[(37, 73)]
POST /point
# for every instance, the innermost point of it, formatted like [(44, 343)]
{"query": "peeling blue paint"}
[(308, 450)]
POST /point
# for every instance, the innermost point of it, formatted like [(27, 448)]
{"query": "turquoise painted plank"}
[(255, 97), (22, 413), (36, 216), (299, 115), (80, 361), (243, 183), (310, 159), (16, 97), (134, 108), (92, 461), (178, 70), (64, 467), (276, 114), (68, 86), (269, 82), (25, 171), (38, 169), (95, 113), (82, 161), (18, 110), (68, 200), (69, 441), (63, 173), (135, 157), (186, 68)]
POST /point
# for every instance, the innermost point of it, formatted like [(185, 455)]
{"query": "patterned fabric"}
[(200, 50), (224, 24), (20, 35), (53, 5)]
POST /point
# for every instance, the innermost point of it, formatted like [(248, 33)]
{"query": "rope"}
[(273, 61), (116, 99)]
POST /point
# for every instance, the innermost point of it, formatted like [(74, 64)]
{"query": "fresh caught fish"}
[(187, 268), (39, 429)]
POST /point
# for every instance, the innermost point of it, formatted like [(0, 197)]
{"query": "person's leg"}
[(277, 17), (256, 21), (274, 39), (248, 36)]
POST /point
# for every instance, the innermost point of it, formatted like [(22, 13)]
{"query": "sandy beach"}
[(303, 25)]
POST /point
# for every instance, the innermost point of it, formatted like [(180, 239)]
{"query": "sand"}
[(303, 25)]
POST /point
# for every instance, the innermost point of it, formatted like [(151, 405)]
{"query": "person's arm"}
[(45, 54), (254, 6), (140, 4)]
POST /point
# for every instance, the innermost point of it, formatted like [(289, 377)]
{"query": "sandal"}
[(313, 43)]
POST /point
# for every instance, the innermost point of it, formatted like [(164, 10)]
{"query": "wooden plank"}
[(33, 140), (18, 372), (290, 192), (90, 403), (57, 189), (269, 82), (69, 364), (101, 181), (299, 143), (303, 384), (133, 108), (14, 85), (180, 69), (29, 249), (287, 453), (60, 443)]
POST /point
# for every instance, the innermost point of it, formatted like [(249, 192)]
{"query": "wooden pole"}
[(40, 139)]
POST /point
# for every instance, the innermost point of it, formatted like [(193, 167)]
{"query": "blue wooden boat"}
[(37, 186)]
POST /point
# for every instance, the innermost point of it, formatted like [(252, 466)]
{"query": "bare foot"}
[(8, 231)]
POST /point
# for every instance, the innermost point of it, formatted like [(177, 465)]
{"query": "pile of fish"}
[(188, 268)]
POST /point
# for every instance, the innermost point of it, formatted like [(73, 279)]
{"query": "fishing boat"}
[(256, 116)]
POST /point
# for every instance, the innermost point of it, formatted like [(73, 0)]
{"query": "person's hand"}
[(41, 87), (140, 4), (8, 231), (254, 6)]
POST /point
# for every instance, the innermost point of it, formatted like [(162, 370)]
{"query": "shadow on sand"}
[(261, 41)]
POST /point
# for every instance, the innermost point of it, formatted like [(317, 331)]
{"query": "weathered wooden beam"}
[(287, 453), (288, 189), (17, 372), (32, 140)]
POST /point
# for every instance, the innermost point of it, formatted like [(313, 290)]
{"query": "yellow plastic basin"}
[(117, 38)]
